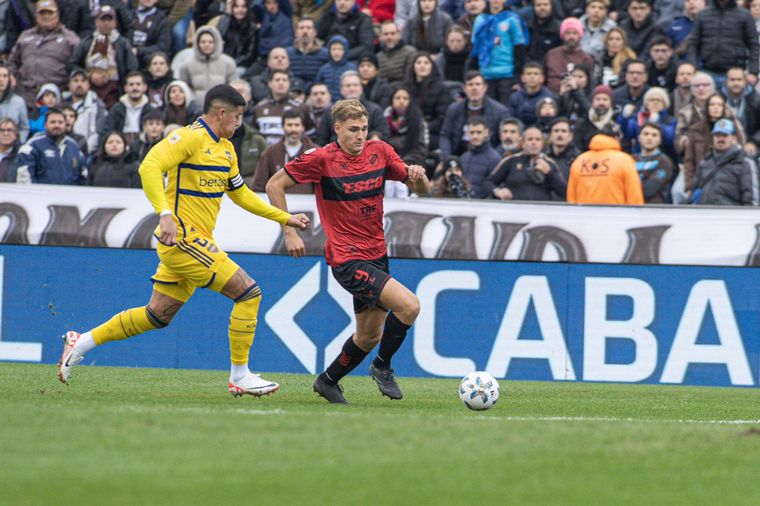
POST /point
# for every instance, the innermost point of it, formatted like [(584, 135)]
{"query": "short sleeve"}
[(396, 166), (307, 167)]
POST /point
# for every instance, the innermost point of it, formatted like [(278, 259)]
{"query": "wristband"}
[(165, 212)]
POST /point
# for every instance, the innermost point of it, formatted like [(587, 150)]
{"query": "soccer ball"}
[(479, 390)]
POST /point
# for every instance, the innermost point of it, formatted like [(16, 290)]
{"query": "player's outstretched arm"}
[(276, 187), (417, 181), (248, 200)]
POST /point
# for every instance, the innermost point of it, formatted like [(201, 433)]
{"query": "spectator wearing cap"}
[(596, 25), (449, 181), (639, 26), (345, 19), (126, 115), (90, 109), (376, 88), (48, 97), (106, 56), (523, 102), (42, 52), (560, 60), (604, 174), (499, 44), (12, 106), (600, 118), (726, 176), (150, 31), (331, 72), (307, 54)]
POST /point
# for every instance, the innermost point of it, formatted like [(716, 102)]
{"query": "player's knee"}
[(368, 340), (161, 316), (410, 310), (248, 302)]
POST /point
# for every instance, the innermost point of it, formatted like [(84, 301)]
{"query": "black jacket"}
[(75, 14), (116, 172), (523, 181), (356, 28), (665, 78), (734, 184), (378, 91), (724, 37), (450, 140), (638, 38), (434, 99), (544, 35), (239, 39)]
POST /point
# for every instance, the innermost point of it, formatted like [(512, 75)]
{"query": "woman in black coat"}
[(428, 89), (406, 126), (240, 34), (114, 165)]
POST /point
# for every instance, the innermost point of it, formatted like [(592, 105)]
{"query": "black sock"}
[(349, 358), (393, 335)]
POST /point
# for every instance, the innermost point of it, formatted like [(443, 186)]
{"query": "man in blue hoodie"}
[(52, 158)]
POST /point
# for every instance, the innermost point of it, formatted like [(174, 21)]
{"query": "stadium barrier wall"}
[(516, 320), (415, 228)]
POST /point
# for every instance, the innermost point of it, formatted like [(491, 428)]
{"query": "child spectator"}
[(48, 96), (331, 71), (152, 131)]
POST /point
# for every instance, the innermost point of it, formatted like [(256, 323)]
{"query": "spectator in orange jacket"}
[(604, 175)]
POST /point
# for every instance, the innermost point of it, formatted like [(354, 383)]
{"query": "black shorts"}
[(364, 279)]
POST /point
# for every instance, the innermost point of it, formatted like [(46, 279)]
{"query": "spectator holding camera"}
[(561, 60), (449, 181), (528, 175)]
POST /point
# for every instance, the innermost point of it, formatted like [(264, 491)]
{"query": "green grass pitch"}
[(153, 436)]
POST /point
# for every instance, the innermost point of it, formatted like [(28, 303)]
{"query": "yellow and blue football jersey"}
[(200, 168)]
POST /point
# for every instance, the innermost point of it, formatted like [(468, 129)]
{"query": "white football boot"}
[(70, 357), (252, 384)]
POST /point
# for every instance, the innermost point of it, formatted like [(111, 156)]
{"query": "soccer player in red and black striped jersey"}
[(349, 177)]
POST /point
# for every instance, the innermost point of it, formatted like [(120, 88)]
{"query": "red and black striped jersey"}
[(350, 192)]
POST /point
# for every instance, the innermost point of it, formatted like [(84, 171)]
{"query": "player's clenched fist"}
[(299, 221), (415, 172)]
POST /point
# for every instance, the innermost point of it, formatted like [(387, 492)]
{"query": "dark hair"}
[(224, 95), (422, 30), (648, 2), (634, 61), (472, 74), (651, 125), (69, 107), (136, 73), (661, 40), (560, 119), (534, 65), (54, 110), (477, 120), (155, 115), (292, 114), (272, 73), (414, 121)]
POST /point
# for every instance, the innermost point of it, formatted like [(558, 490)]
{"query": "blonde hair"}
[(625, 54), (344, 110)]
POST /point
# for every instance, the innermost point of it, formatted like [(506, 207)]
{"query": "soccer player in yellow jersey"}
[(201, 166)]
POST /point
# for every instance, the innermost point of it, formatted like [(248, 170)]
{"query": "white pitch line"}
[(345, 411)]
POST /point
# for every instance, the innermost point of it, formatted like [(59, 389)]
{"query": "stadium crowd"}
[(591, 101)]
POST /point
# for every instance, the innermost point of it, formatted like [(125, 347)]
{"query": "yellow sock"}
[(243, 324), (126, 324)]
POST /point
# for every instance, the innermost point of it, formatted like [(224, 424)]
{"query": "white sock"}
[(238, 372), (85, 343)]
